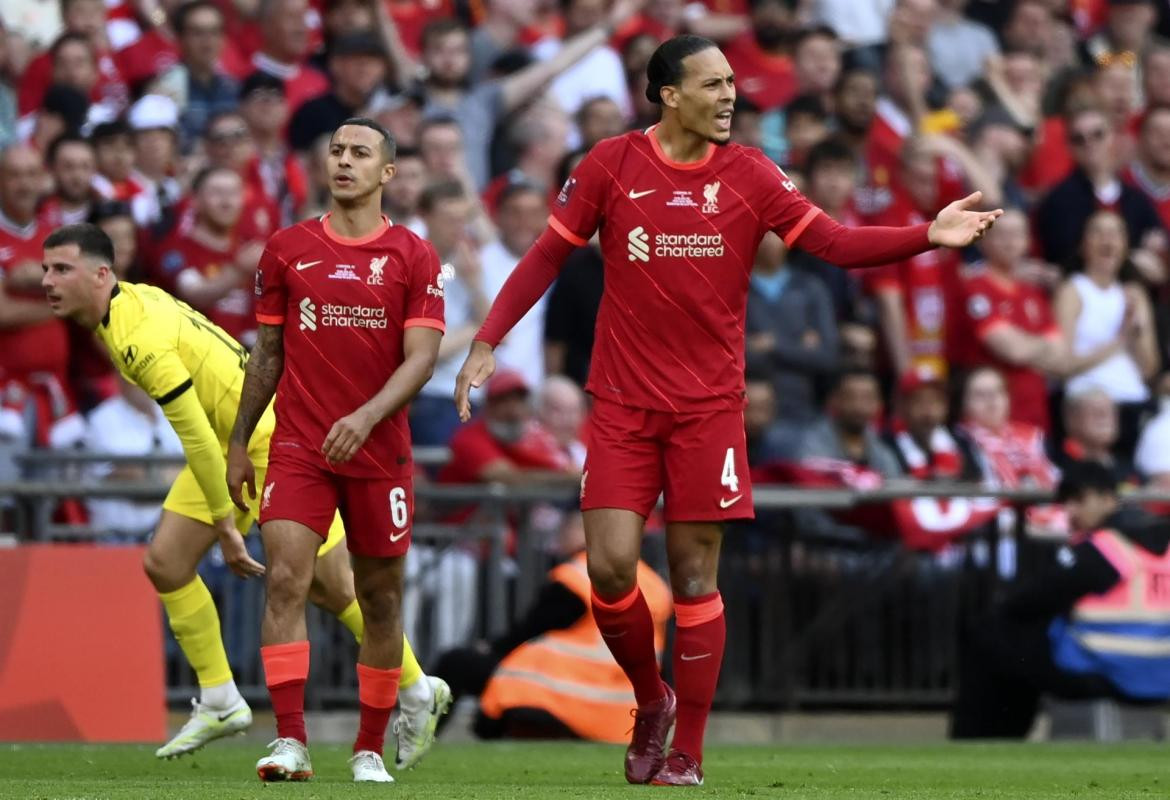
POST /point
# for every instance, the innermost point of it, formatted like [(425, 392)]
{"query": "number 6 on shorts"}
[(398, 507)]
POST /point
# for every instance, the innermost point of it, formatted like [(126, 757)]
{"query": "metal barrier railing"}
[(813, 620)]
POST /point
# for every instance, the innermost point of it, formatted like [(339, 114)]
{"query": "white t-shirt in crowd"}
[(523, 348)]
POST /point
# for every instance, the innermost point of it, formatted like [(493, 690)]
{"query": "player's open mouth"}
[(342, 180), (53, 298), (723, 120)]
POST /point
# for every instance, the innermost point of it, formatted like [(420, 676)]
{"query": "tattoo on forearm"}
[(260, 379)]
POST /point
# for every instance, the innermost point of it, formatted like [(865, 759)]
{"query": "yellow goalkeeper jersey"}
[(192, 368)]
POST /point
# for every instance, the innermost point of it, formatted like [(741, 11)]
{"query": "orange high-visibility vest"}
[(1122, 634), (570, 673)]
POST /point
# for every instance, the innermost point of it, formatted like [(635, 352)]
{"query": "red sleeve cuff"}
[(270, 319), (567, 234), (425, 322)]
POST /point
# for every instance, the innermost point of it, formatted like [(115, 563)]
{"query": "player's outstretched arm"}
[(956, 226), (527, 284), (420, 348), (261, 376)]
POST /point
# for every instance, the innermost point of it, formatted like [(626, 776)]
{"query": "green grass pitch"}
[(517, 771)]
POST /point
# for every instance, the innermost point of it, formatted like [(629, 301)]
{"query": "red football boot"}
[(680, 769), (647, 751)]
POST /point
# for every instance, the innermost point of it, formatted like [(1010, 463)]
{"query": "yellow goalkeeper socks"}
[(411, 671), (195, 623), (351, 618)]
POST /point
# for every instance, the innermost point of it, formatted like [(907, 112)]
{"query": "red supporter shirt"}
[(411, 16), (678, 241), (38, 77), (234, 312), (52, 214), (927, 284), (1051, 160), (768, 81), (992, 301), (345, 305), (147, 58), (473, 448), (43, 346)]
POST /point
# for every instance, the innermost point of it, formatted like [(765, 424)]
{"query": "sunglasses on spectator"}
[(1082, 138), (233, 134)]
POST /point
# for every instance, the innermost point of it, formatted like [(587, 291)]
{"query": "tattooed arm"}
[(260, 379)]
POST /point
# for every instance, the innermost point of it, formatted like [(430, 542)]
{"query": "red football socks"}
[(700, 632), (377, 695), (628, 630), (286, 670)]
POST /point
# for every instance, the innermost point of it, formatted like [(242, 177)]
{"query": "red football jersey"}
[(927, 284), (678, 241), (767, 80), (473, 448), (348, 303), (991, 301), (43, 346), (147, 58), (234, 312)]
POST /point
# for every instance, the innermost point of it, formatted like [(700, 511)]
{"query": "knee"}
[(286, 587), (695, 572), (379, 604), (161, 572), (611, 576)]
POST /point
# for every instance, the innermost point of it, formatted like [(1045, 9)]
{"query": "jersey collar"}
[(113, 293), (665, 159)]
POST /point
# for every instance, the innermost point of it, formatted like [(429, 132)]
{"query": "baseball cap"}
[(153, 111), (506, 381), (918, 377)]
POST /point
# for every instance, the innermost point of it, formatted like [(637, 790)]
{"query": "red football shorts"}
[(699, 461), (376, 512)]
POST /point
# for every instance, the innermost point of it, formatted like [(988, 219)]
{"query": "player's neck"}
[(356, 222), (678, 144), (91, 318)]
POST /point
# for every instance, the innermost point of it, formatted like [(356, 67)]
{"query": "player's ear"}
[(669, 95), (388, 171)]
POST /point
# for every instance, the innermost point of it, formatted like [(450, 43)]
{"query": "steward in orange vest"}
[(552, 676), (569, 672), (1095, 625)]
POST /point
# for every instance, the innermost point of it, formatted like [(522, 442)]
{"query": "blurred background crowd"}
[(192, 130)]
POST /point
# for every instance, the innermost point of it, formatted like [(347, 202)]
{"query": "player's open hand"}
[(240, 473), (347, 436), (958, 225), (478, 367), (235, 552)]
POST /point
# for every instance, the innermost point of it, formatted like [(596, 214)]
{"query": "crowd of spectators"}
[(192, 129)]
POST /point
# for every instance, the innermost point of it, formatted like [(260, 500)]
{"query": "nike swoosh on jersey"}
[(728, 502), (306, 264), (685, 657), (394, 538), (635, 195)]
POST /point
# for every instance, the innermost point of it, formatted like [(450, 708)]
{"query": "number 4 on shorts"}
[(729, 478)]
